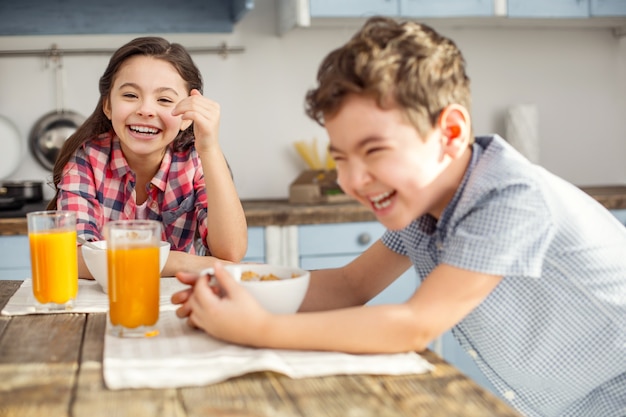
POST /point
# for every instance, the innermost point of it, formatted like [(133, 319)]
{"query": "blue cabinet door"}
[(335, 245), (548, 8), (620, 215), (446, 8), (256, 245), (397, 292), (14, 257), (608, 8), (353, 8)]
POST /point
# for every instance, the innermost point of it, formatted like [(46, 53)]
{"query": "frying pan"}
[(29, 191), (52, 129)]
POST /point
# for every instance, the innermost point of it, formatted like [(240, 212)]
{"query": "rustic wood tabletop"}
[(51, 365)]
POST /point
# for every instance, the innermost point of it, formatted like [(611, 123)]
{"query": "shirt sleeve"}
[(77, 192), (507, 232)]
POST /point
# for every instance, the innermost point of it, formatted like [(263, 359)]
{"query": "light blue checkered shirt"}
[(552, 336)]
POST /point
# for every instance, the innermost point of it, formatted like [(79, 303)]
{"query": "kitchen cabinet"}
[(456, 13), (404, 8), (620, 214), (608, 8), (446, 8), (14, 257), (256, 245), (353, 8), (548, 8), (333, 245), (72, 17)]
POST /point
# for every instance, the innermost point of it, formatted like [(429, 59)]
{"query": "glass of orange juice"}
[(53, 259), (133, 276)]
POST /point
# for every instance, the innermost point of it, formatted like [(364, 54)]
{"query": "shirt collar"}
[(120, 168), (478, 147)]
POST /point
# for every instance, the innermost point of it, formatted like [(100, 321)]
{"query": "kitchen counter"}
[(280, 212)]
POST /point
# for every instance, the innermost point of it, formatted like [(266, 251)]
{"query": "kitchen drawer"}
[(336, 239), (397, 292)]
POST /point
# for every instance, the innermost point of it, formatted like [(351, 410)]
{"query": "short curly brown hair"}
[(397, 63)]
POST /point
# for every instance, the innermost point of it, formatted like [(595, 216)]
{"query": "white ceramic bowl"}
[(96, 260), (283, 296)]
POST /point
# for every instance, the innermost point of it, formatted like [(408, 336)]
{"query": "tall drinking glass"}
[(53, 259), (133, 276)]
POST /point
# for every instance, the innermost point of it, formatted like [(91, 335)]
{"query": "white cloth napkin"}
[(90, 298), (181, 356)]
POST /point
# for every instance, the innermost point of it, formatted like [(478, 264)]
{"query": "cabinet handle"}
[(364, 238)]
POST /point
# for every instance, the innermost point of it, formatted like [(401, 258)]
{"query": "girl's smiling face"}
[(145, 91), (385, 164)]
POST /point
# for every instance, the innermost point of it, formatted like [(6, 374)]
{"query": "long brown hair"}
[(97, 123)]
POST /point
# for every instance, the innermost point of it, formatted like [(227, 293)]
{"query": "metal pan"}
[(50, 132), (29, 191), (52, 129)]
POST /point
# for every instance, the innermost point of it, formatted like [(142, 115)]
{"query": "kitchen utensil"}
[(27, 191), (52, 129), (11, 153), (11, 203), (90, 244)]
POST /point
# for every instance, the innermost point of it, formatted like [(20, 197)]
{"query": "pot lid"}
[(11, 152)]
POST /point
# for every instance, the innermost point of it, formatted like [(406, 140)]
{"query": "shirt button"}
[(509, 395), (439, 245), (472, 353)]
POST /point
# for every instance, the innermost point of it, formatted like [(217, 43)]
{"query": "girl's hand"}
[(205, 115), (231, 314)]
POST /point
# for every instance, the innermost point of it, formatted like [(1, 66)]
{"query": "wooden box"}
[(315, 187)]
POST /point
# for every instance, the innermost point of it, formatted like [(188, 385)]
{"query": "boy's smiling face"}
[(385, 164)]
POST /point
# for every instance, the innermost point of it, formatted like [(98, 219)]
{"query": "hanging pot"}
[(52, 129), (50, 132)]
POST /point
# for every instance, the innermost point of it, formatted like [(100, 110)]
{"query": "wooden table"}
[(51, 365)]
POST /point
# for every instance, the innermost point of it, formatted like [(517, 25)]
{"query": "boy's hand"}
[(225, 311), (181, 297)]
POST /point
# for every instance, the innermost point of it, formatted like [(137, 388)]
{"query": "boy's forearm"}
[(371, 329)]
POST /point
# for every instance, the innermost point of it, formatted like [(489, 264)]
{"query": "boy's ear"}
[(454, 123)]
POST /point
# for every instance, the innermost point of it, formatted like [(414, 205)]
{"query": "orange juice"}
[(54, 265), (134, 278)]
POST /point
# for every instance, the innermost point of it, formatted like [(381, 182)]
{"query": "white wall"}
[(576, 77)]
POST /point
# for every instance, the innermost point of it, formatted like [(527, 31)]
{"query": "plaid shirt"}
[(551, 337), (99, 186)]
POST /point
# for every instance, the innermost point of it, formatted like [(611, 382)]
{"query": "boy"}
[(527, 270)]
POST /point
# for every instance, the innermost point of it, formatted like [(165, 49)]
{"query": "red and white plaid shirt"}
[(99, 186)]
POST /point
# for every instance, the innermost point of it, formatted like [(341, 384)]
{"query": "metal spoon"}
[(88, 243)]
